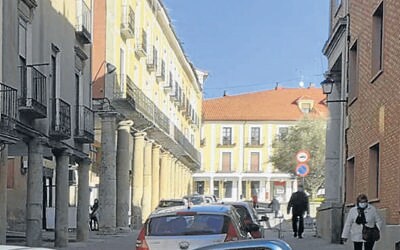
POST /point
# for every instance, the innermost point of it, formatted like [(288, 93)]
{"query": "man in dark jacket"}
[(299, 204)]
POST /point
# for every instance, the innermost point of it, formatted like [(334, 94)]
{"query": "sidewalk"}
[(309, 241)]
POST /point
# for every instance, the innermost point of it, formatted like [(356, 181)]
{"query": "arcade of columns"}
[(137, 179)]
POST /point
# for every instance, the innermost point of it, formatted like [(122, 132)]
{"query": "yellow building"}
[(237, 135), (143, 81)]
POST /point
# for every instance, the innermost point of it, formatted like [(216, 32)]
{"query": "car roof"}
[(220, 208)]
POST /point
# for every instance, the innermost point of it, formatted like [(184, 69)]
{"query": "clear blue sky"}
[(250, 45)]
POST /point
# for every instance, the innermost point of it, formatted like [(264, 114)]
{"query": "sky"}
[(250, 45)]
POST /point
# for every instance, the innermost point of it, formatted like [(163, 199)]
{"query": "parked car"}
[(195, 199), (249, 218), (210, 198), (249, 244), (171, 203), (12, 247), (190, 227)]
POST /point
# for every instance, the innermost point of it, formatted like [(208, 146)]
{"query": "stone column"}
[(147, 179), (155, 197), (123, 168), (107, 186), (82, 216), (62, 196), (34, 199), (173, 179), (3, 194), (137, 186), (164, 176)]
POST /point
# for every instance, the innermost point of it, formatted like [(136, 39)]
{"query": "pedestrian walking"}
[(360, 218), (255, 201), (94, 221), (275, 205), (299, 204)]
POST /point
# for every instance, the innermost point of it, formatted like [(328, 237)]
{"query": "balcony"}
[(169, 83), (135, 105), (128, 22), (8, 114), (60, 126), (84, 22), (225, 142), (152, 57), (160, 74), (253, 142), (84, 130), (141, 45), (33, 101)]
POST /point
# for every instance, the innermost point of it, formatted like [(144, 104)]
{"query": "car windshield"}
[(198, 224), (243, 213)]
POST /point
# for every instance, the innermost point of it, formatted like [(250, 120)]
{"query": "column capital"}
[(156, 146), (164, 155), (150, 141), (104, 115), (59, 152), (125, 123), (140, 134), (86, 160)]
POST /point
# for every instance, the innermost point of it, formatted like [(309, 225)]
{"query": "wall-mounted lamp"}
[(23, 166), (327, 86), (110, 68)]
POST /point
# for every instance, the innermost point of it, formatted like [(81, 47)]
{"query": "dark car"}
[(249, 218)]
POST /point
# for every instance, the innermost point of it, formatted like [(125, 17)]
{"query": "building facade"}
[(237, 136), (369, 165), (46, 117), (147, 92)]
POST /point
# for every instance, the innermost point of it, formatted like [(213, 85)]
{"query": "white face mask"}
[(362, 204)]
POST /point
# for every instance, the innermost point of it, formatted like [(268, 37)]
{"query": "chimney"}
[(311, 85), (278, 86), (225, 93)]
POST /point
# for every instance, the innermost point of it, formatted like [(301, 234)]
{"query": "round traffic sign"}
[(302, 156), (302, 169)]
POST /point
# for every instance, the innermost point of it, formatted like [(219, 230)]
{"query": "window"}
[(200, 187), (226, 136), (377, 40), (350, 197), (373, 179), (255, 187), (226, 162), (254, 161), (353, 72), (283, 132), (122, 62), (305, 107), (244, 189), (22, 47), (228, 189), (255, 136)]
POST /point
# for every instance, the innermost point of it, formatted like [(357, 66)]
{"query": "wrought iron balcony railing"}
[(144, 105), (8, 113), (60, 125), (84, 22), (169, 83), (181, 139), (33, 100), (160, 75), (253, 141), (128, 22), (84, 130)]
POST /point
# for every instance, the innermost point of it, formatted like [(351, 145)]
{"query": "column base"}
[(330, 219)]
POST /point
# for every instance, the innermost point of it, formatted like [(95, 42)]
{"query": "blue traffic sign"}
[(302, 169)]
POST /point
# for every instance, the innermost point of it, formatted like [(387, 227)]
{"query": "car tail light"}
[(231, 235), (141, 243)]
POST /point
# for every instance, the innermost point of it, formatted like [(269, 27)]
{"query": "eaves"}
[(335, 36)]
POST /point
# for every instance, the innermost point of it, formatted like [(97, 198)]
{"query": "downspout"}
[(344, 115)]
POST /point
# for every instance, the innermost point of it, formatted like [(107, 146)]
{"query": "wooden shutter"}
[(255, 162), (226, 162)]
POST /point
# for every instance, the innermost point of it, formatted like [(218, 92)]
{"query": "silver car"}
[(190, 227), (249, 244)]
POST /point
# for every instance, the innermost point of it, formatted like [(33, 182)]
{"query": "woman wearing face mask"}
[(362, 213)]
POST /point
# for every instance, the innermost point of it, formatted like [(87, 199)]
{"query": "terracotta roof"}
[(271, 105)]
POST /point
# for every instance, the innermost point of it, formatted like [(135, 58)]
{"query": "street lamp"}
[(110, 68), (327, 86)]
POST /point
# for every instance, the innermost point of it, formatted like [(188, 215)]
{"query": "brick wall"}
[(375, 114)]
